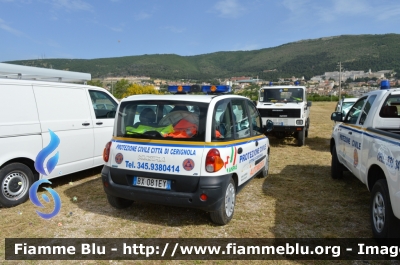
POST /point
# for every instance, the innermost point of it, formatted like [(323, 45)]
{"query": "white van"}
[(81, 116)]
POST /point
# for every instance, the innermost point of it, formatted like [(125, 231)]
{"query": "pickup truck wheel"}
[(15, 179), (384, 223), (301, 137), (225, 213), (119, 203), (336, 166), (307, 127)]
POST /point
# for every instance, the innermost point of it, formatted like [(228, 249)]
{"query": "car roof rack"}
[(13, 71)]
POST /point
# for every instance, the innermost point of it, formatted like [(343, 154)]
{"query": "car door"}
[(103, 113), (262, 158), (357, 140), (246, 147), (348, 131)]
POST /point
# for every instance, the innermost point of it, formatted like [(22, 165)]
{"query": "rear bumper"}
[(185, 190)]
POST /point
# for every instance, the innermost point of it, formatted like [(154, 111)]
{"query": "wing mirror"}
[(269, 125), (337, 116)]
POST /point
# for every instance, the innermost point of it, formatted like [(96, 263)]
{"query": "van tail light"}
[(214, 161), (106, 152)]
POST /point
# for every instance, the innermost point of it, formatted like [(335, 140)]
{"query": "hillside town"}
[(353, 83)]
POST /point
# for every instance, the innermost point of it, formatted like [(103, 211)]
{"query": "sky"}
[(89, 29)]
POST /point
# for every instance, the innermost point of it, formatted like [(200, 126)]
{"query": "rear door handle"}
[(99, 123), (240, 150), (350, 133), (256, 143), (85, 124)]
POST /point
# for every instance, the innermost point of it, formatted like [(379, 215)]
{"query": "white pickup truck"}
[(367, 143)]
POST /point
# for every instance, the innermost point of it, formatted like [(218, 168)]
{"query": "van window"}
[(355, 111), (255, 120), (162, 120), (391, 107), (290, 94), (240, 118), (103, 105), (222, 128), (366, 109)]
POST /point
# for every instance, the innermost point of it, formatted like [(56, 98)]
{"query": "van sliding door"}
[(65, 111)]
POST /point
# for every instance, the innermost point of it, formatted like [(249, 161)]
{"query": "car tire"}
[(119, 203), (225, 213), (15, 179), (383, 222), (301, 137), (336, 167), (264, 171)]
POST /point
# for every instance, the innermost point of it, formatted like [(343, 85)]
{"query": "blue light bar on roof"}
[(216, 89), (385, 84), (179, 89)]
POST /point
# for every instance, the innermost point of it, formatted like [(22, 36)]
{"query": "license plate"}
[(152, 183), (278, 123)]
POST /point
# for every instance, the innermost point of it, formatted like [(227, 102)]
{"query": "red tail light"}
[(214, 161), (106, 152), (203, 197)]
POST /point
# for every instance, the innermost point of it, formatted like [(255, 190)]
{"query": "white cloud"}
[(141, 16), (389, 12), (7, 28), (246, 47), (351, 7), (337, 10), (116, 29), (72, 5), (174, 29), (296, 6), (229, 8), (53, 43)]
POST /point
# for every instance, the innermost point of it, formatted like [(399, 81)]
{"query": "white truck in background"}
[(287, 107), (367, 143)]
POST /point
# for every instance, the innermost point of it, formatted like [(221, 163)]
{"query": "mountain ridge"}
[(306, 58)]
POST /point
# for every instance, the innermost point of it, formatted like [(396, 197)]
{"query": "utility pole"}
[(340, 80)]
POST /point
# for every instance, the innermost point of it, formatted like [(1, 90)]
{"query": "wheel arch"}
[(332, 144), (236, 180), (375, 173), (26, 161)]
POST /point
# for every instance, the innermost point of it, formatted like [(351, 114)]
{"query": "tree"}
[(136, 89), (121, 88), (95, 83)]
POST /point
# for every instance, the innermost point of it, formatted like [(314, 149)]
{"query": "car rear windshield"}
[(177, 120)]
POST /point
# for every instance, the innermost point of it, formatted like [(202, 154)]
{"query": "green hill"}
[(303, 58)]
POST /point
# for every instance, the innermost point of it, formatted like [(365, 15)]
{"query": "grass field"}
[(297, 200)]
